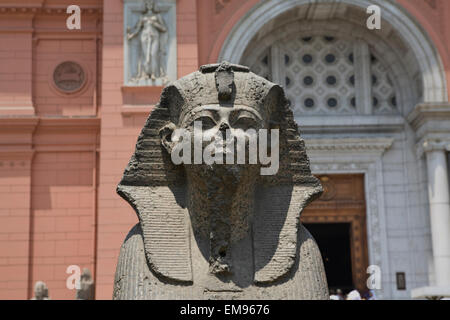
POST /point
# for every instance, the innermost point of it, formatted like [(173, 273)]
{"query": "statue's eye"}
[(206, 122), (245, 123)]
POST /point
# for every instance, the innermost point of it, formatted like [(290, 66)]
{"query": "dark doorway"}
[(333, 240)]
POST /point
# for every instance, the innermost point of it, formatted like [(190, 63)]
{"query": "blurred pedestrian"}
[(354, 295), (340, 294)]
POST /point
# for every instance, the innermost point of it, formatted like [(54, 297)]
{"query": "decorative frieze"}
[(33, 9), (362, 145)]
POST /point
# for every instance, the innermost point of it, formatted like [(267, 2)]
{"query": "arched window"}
[(330, 63), (328, 74)]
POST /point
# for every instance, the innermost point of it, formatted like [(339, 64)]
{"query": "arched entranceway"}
[(396, 23)]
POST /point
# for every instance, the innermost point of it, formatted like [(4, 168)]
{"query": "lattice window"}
[(320, 75), (383, 92), (262, 65)]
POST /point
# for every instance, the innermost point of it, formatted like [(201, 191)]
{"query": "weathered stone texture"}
[(219, 231), (135, 281)]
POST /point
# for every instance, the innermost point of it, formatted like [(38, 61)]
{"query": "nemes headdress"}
[(156, 188)]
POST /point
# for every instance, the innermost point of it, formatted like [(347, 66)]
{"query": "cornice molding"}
[(431, 123), (331, 124), (18, 135), (41, 9), (28, 125), (69, 123), (425, 112), (130, 110), (18, 124), (17, 154), (377, 145)]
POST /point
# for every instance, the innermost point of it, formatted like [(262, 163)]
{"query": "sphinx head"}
[(218, 141), (227, 140), (185, 159)]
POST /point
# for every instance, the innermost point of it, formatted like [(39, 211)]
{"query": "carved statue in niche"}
[(152, 31), (40, 291), (86, 291), (219, 231)]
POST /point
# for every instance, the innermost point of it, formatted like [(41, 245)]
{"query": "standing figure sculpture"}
[(152, 32), (40, 291), (219, 231)]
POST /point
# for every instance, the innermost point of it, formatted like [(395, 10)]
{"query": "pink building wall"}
[(61, 156), (121, 125), (48, 146)]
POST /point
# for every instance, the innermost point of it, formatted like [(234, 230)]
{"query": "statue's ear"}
[(165, 134), (172, 101)]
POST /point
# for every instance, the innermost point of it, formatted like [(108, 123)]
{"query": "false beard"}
[(222, 201)]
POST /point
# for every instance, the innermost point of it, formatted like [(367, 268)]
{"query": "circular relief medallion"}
[(69, 76)]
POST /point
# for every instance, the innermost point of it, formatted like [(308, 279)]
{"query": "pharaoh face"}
[(227, 137), (222, 128)]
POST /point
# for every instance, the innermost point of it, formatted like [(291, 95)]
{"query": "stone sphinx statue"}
[(87, 288), (219, 231), (40, 291)]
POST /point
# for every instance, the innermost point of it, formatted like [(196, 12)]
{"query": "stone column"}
[(438, 193), (363, 77)]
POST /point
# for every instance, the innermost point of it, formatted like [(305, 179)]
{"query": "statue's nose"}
[(223, 130), (224, 126)]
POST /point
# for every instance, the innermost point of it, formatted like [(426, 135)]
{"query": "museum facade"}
[(371, 104)]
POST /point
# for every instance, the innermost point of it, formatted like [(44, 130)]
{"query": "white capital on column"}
[(438, 193)]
